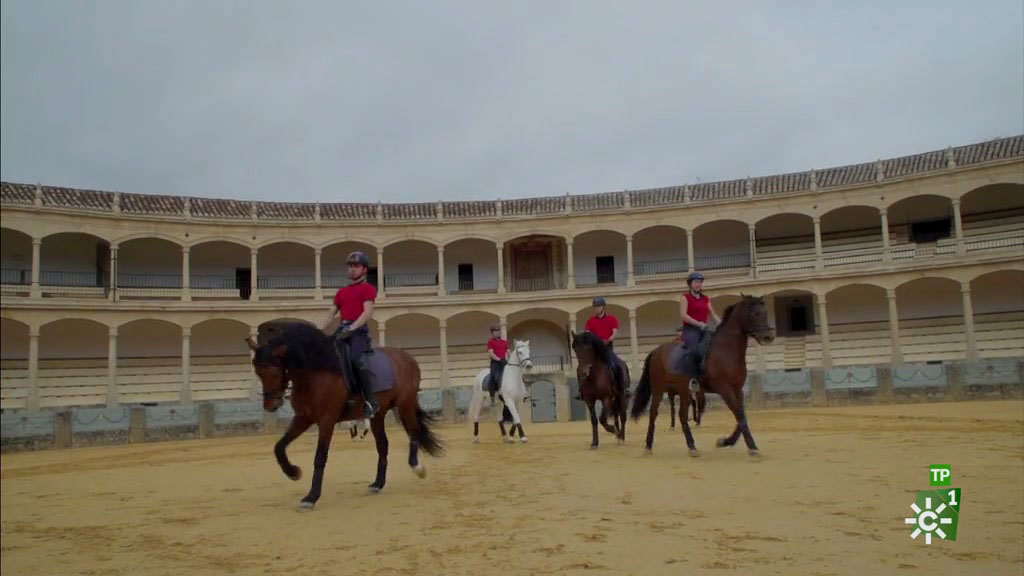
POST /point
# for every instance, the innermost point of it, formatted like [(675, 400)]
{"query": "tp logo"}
[(937, 511)]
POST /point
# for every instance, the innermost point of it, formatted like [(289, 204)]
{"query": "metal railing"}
[(292, 282), (130, 280), (597, 279), (15, 276), (661, 266), (409, 280), (93, 279)]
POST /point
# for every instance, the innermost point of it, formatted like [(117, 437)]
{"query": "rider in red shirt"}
[(354, 306), (497, 351), (694, 309), (606, 327)]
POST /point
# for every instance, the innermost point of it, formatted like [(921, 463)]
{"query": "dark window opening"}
[(605, 269), (465, 277), (930, 231)]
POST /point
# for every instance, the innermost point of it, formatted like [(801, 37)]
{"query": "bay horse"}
[(598, 384), (725, 371), (699, 405), (512, 391), (302, 354)]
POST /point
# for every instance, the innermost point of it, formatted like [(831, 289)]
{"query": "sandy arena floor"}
[(828, 497)]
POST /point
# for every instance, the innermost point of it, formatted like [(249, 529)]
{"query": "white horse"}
[(512, 391)]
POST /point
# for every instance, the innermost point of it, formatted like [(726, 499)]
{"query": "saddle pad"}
[(382, 372), (674, 359)]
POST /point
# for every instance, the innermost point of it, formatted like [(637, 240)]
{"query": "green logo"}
[(941, 475), (936, 511)]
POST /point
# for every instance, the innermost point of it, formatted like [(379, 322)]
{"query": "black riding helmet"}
[(496, 328), (692, 277), (598, 301), (358, 257)]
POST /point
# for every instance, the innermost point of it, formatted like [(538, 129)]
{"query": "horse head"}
[(754, 319), (583, 345), (521, 354), (268, 363)]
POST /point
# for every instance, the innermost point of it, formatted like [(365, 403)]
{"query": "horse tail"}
[(642, 394), (424, 436)]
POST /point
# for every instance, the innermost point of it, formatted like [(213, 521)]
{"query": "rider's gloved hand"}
[(345, 333)]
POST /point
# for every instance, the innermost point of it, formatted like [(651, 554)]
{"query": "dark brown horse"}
[(724, 373), (597, 383), (302, 354), (698, 405)]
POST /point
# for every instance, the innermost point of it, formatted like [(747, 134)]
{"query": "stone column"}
[(826, 346), (690, 260), (186, 275), (441, 291), (112, 273), (186, 365), (958, 225), (112, 367), (318, 286), (253, 281), (886, 251), (753, 250), (501, 269), (36, 291), (971, 353), (819, 263), (634, 341), (894, 328), (380, 274), (630, 279), (570, 264), (382, 333), (503, 322), (32, 402), (444, 355)]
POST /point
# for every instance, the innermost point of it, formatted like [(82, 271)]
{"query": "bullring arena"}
[(134, 440)]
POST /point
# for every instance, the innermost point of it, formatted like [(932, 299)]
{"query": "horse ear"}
[(252, 345), (279, 351)]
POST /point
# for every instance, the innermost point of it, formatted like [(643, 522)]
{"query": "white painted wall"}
[(413, 331), (721, 238), (546, 339), (471, 328), (219, 338), (410, 257), (929, 298), (481, 254), (73, 338), (218, 259), (587, 247), (659, 243), (856, 304), (148, 339)]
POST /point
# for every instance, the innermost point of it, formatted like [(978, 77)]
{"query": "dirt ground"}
[(828, 496)]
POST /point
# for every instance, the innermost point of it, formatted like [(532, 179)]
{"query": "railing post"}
[(36, 291), (186, 281), (570, 263)]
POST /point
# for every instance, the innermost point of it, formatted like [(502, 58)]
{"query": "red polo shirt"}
[(350, 300), (499, 347), (602, 327)]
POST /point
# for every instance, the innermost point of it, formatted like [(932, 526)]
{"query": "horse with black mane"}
[(724, 371), (598, 384), (302, 354)]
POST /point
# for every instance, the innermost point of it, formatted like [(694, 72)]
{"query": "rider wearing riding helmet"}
[(694, 309), (497, 351), (354, 306), (606, 327)]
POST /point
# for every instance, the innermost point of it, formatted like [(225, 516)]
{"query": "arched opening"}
[(545, 328), (722, 247), (851, 236), (410, 267), (13, 364), (219, 360), (219, 269), (793, 313), (992, 218), (785, 243), (334, 271), (467, 335), (659, 252), (600, 258), (470, 266), (931, 320), (536, 263), (998, 304), (924, 220), (858, 323), (149, 268), (74, 264), (420, 336), (286, 270), (15, 258), (149, 356), (656, 323), (72, 363)]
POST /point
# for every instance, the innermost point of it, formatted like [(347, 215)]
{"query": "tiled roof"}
[(12, 193), (148, 204)]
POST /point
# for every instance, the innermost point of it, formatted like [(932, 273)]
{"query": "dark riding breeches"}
[(358, 344), (497, 371), (691, 339), (612, 362)]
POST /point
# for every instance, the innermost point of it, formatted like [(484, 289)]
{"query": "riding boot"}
[(367, 387)]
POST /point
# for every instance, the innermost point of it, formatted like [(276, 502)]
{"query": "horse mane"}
[(308, 349), (728, 313), (745, 301), (589, 339)]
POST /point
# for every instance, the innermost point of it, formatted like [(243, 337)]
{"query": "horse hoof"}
[(374, 489), (510, 440), (721, 443), (648, 452), (295, 474), (694, 453), (755, 453), (593, 446), (306, 505), (476, 439), (523, 440), (419, 470)]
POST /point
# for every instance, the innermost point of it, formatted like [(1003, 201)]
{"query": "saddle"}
[(348, 368), (683, 361)]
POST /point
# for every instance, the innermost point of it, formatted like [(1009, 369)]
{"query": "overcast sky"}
[(419, 101)]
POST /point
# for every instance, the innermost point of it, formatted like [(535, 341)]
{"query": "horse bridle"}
[(282, 392), (521, 360)]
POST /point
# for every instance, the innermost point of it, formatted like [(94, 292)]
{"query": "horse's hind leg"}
[(652, 419), (736, 406), (380, 436), (684, 405), (672, 411), (323, 448)]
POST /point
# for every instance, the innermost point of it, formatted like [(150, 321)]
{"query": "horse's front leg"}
[(736, 406), (607, 405), (684, 403), (593, 422), (672, 411), (380, 436), (296, 428), (323, 448), (517, 422)]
